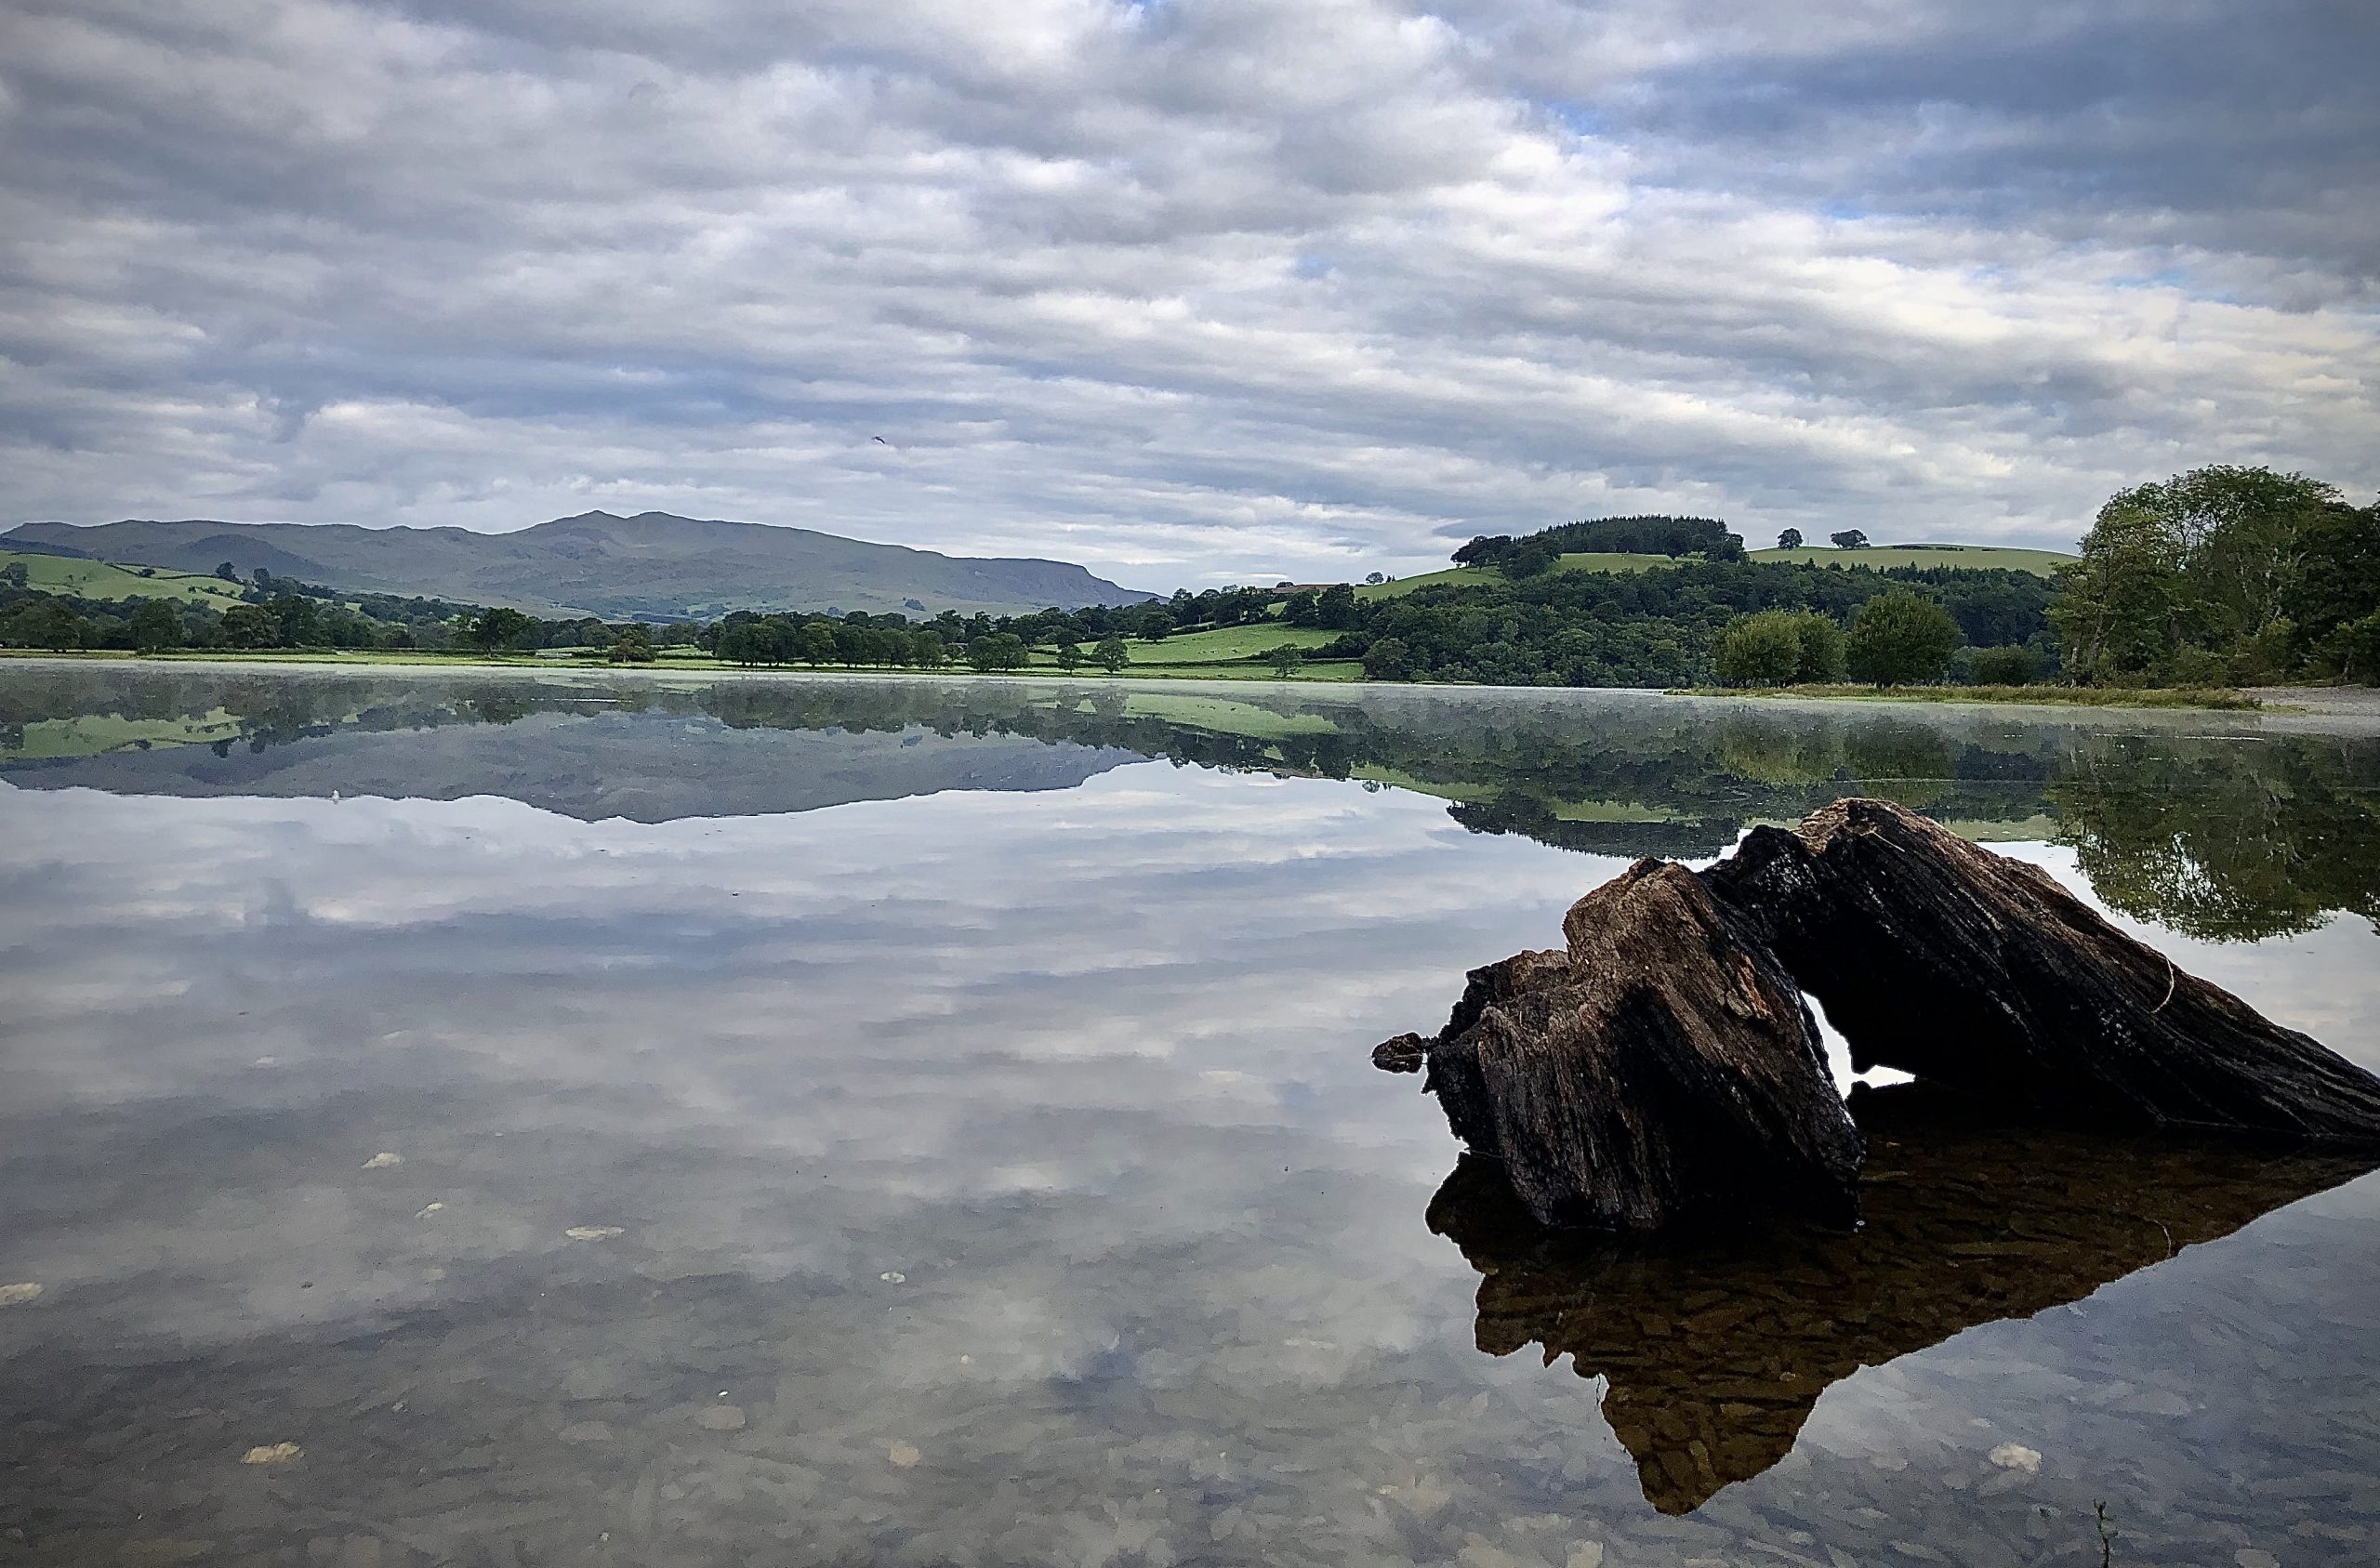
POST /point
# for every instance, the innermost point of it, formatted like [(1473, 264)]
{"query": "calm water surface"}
[(768, 1121)]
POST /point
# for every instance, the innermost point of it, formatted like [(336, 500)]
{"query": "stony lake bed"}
[(491, 1119)]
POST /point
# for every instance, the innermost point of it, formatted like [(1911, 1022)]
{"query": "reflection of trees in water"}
[(2226, 841), (1716, 1347), (2215, 836)]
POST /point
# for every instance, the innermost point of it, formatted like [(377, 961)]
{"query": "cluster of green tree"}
[(1899, 637), (271, 613), (889, 641), (1662, 626), (30, 618), (388, 608), (1529, 554), (2224, 574)]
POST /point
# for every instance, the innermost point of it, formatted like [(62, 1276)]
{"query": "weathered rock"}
[(1974, 970), (1658, 1069)]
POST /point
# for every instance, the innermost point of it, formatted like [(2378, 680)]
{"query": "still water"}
[(603, 1120)]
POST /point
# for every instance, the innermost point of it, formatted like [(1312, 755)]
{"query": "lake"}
[(599, 1119)]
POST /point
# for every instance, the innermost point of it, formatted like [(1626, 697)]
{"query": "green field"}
[(1221, 645), (1590, 561), (1979, 557), (107, 580)]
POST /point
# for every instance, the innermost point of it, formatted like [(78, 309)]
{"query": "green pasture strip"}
[(111, 581)]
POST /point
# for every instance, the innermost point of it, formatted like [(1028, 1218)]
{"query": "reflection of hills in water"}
[(1716, 1348), (2194, 829), (644, 767)]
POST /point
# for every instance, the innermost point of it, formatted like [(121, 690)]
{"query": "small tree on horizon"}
[(1849, 539), (1789, 540)]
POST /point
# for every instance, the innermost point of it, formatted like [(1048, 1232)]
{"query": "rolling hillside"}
[(1880, 557), (106, 580), (653, 565)]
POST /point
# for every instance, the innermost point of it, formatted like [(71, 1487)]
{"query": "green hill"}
[(653, 565), (1979, 557), (1592, 560), (111, 581), (1879, 557)]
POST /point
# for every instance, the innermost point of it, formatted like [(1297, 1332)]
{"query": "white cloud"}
[(1206, 290)]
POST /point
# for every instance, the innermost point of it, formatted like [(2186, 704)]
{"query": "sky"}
[(1189, 291)]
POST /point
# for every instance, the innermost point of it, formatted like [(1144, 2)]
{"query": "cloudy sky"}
[(1187, 290)]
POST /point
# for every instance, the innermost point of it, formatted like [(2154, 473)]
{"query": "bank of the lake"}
[(1322, 672), (2351, 703), (2217, 698)]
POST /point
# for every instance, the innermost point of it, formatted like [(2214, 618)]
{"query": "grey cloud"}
[(1209, 289)]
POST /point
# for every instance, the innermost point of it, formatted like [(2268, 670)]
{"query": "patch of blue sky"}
[(1575, 118), (2164, 277)]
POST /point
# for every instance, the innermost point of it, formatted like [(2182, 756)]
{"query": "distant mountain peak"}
[(659, 565)]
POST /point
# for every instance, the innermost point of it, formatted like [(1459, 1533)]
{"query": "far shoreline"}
[(2292, 707)]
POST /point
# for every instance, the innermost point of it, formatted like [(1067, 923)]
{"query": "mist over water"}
[(918, 1121)]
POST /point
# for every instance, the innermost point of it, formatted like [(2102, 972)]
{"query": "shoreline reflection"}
[(2175, 819)]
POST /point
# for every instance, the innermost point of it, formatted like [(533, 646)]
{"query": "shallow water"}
[(850, 1122)]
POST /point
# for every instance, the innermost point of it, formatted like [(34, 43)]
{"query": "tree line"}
[(2223, 574)]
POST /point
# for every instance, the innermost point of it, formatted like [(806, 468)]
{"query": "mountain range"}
[(654, 565)]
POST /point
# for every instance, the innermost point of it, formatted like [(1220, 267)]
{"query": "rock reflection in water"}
[(1716, 1348)]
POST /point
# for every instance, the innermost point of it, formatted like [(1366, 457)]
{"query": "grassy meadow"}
[(116, 582)]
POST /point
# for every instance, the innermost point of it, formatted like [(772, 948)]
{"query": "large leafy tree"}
[(2119, 613), (2206, 576), (1762, 650), (155, 627), (497, 629), (1775, 647), (1901, 638)]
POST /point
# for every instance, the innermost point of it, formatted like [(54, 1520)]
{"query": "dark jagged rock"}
[(1716, 1347), (1659, 1068), (1974, 970)]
